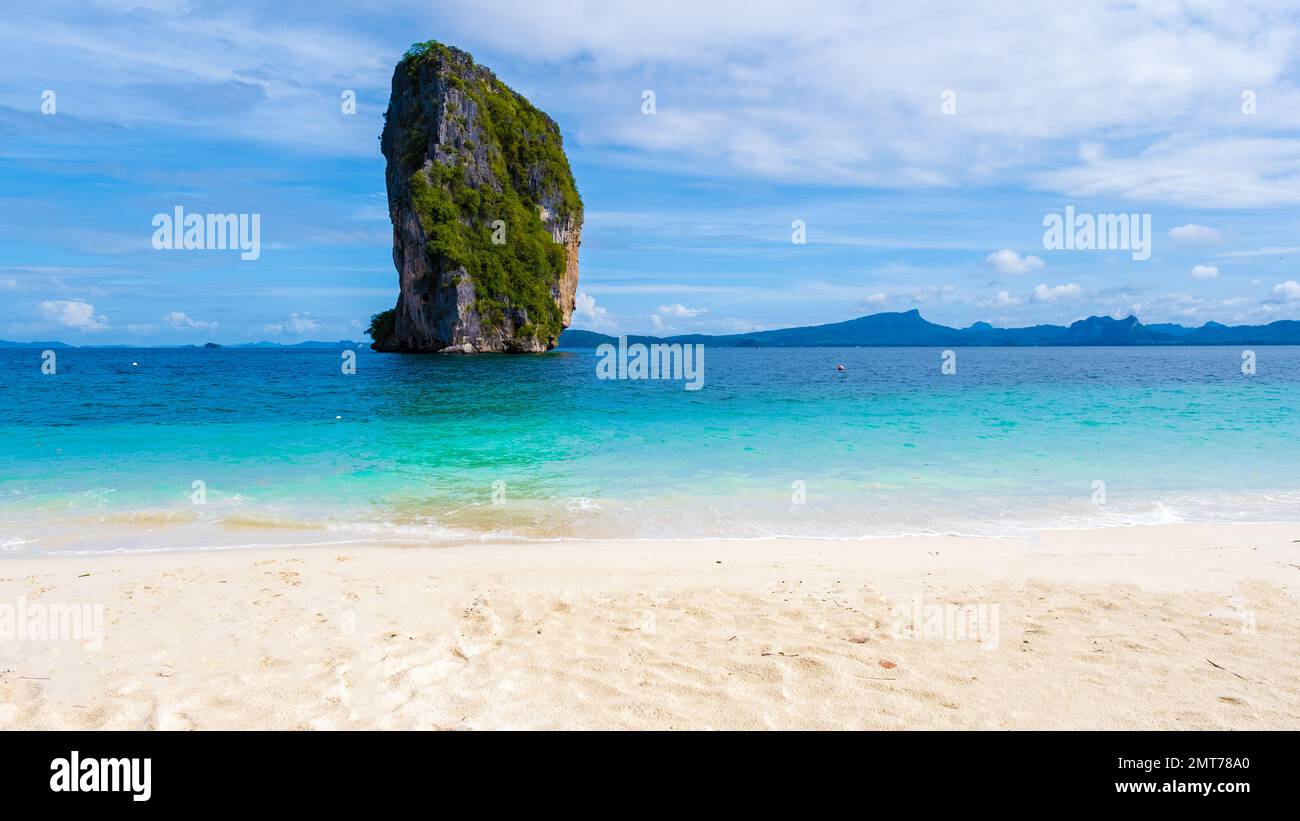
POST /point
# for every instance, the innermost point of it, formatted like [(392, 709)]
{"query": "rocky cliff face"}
[(486, 217)]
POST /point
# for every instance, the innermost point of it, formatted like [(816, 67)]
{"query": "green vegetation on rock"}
[(382, 324), (524, 153)]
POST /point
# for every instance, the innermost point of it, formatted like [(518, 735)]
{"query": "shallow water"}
[(104, 455)]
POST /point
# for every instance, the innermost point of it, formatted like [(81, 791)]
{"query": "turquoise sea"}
[(105, 454)]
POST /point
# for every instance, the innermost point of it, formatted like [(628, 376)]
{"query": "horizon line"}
[(9, 343)]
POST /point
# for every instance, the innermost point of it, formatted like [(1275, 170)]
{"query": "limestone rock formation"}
[(486, 217)]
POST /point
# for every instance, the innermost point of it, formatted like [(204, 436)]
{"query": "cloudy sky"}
[(919, 144)]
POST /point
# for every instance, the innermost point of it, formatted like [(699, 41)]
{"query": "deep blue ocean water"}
[(105, 454)]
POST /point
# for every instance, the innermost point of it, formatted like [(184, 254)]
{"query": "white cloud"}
[(740, 326), (169, 65), (1007, 261), (942, 292), (680, 311), (298, 323), (586, 310), (1224, 172), (8, 284), (878, 298), (1266, 251), (751, 86), (1204, 271), (758, 87), (1045, 293), (674, 311), (180, 320), (1288, 291), (1193, 234), (75, 314), (1004, 299)]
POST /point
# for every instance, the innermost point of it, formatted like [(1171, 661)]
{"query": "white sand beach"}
[(1178, 626)]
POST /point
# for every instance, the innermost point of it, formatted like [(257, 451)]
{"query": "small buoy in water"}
[(839, 367), (135, 364), (338, 417)]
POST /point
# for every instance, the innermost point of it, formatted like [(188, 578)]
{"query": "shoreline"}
[(125, 530), (1151, 626)]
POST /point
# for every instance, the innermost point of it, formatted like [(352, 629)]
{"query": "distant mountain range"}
[(342, 343), (910, 329), (906, 329)]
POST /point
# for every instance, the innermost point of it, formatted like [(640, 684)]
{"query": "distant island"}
[(910, 329)]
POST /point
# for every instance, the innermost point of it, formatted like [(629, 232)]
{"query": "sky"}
[(915, 148)]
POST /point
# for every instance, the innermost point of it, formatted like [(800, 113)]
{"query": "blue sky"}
[(831, 113)]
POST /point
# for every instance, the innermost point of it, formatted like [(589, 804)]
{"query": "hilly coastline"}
[(910, 329), (897, 330)]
